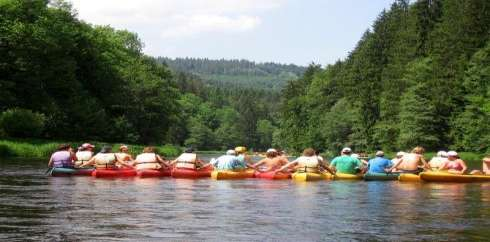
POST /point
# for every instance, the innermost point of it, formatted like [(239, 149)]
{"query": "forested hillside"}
[(237, 73), (419, 76), (64, 79)]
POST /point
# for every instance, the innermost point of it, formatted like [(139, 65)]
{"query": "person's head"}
[(86, 146), (149, 149), (65, 147), (346, 151), (418, 150), (123, 148), (400, 154), (240, 150), (442, 154), (486, 159), (355, 156), (380, 153), (308, 152), (189, 150), (106, 149), (271, 153), (452, 155), (231, 152)]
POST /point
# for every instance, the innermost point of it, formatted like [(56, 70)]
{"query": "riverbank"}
[(34, 148)]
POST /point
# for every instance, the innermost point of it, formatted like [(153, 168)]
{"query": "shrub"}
[(22, 123)]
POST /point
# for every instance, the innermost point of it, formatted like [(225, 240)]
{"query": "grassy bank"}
[(30, 148)]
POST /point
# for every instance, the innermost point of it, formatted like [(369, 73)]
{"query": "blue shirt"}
[(378, 165), (227, 162)]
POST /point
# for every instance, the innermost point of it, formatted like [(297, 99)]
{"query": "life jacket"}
[(83, 157), (147, 161), (105, 161), (307, 164), (187, 161), (62, 159)]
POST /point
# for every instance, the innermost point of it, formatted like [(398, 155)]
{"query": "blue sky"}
[(285, 31)]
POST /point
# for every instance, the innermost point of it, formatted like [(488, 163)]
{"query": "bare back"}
[(410, 162)]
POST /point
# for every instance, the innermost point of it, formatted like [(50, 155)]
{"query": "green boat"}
[(380, 176)]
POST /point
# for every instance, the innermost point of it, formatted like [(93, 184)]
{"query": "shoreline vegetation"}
[(40, 148)]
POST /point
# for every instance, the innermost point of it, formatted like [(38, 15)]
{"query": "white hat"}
[(355, 156), (271, 150), (400, 153), (346, 150), (230, 152), (380, 153), (87, 145), (442, 153), (452, 153)]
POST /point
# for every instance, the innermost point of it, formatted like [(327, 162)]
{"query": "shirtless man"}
[(485, 167), (272, 161), (410, 163)]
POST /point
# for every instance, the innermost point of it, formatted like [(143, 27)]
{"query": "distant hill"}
[(237, 73)]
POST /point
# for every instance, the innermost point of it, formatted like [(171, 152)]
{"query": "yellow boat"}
[(311, 176), (232, 175), (344, 176), (431, 176), (407, 177)]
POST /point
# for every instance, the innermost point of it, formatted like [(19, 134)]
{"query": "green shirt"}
[(346, 164)]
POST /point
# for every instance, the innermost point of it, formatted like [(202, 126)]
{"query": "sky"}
[(284, 31)]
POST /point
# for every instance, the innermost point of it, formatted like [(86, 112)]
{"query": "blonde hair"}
[(418, 150)]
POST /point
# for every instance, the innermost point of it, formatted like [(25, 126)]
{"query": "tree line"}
[(419, 76), (62, 78)]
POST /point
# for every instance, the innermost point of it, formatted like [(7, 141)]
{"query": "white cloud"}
[(177, 18)]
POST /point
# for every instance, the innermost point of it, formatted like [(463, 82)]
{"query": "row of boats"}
[(209, 172)]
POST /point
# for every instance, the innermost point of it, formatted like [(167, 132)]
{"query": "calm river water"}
[(35, 207)]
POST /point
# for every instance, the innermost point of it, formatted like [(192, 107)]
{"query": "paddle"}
[(48, 170)]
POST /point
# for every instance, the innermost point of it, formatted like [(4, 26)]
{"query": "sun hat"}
[(452, 153), (400, 153), (346, 150), (442, 153), (271, 150), (380, 153)]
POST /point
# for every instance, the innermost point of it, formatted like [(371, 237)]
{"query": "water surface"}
[(35, 207)]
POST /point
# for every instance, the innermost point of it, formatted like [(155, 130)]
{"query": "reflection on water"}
[(36, 207)]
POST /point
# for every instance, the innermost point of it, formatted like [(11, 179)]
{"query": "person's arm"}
[(324, 164), (161, 161), (486, 166), (424, 163), (89, 162), (261, 162), (396, 164), (463, 164), (122, 162), (443, 166), (284, 167), (50, 162)]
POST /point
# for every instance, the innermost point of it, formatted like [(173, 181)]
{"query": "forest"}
[(64, 79), (237, 73), (419, 76)]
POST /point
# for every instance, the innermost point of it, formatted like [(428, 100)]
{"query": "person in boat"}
[(345, 163), (188, 160), (272, 162), (243, 157), (438, 161), (63, 157), (485, 167), (228, 162), (454, 164), (146, 160), (106, 159), (308, 162), (84, 154), (398, 157), (413, 162), (357, 156), (379, 164)]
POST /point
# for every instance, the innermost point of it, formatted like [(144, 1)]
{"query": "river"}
[(34, 207)]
